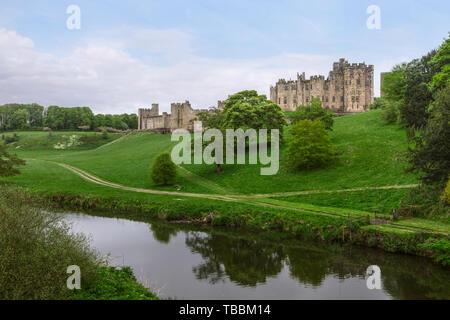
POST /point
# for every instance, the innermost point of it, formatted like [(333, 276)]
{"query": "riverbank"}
[(401, 236), (40, 256)]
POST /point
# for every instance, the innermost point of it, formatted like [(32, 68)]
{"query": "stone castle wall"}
[(348, 88), (181, 116)]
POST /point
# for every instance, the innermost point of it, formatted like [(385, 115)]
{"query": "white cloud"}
[(105, 76)]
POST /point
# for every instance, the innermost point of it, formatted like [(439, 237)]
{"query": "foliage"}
[(212, 118), (29, 116), (446, 194), (440, 249), (8, 163), (36, 247), (247, 109), (104, 134), (425, 201), (163, 170), (390, 113), (394, 84), (431, 154), (378, 103), (309, 145), (314, 111), (115, 284), (441, 63)]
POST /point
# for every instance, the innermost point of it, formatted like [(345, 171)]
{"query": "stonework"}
[(182, 116), (348, 88)]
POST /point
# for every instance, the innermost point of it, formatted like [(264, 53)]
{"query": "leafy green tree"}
[(247, 109), (212, 118), (163, 170), (441, 64), (431, 155), (309, 145), (8, 163), (20, 119), (314, 111), (394, 84)]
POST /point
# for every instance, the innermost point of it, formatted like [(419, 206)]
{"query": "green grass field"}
[(370, 154)]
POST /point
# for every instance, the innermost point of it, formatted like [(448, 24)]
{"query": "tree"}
[(163, 170), (247, 109), (309, 145), (8, 163), (394, 84), (390, 112), (431, 155), (212, 118), (441, 63), (314, 111)]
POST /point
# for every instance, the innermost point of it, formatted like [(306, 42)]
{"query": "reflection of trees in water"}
[(308, 266), (250, 261), (162, 233), (246, 262)]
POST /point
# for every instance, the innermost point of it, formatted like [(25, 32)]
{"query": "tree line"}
[(34, 116), (416, 95)]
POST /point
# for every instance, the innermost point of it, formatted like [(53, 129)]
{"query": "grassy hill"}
[(370, 154)]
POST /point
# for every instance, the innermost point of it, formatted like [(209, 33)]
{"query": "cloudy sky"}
[(130, 54)]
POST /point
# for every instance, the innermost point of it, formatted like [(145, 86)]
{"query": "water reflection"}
[(214, 264)]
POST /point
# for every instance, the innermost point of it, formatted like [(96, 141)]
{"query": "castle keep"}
[(181, 116), (348, 88)]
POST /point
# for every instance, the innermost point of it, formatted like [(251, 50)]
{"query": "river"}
[(200, 263)]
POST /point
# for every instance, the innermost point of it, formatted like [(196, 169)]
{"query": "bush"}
[(390, 112), (115, 284), (163, 171), (425, 201), (104, 134), (309, 145), (378, 103), (314, 111), (36, 247), (440, 249)]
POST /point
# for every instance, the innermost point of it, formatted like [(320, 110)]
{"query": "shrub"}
[(105, 134), (314, 111), (36, 247), (115, 284), (378, 103), (163, 171), (309, 145), (390, 112), (440, 249)]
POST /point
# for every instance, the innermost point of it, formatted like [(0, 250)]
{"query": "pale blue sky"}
[(134, 53)]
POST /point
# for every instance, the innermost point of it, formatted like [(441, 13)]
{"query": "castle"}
[(182, 116), (348, 88)]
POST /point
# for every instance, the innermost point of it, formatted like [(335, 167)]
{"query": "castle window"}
[(367, 83), (307, 100), (337, 88), (285, 100), (353, 99), (358, 82), (357, 99), (286, 88), (342, 98), (334, 99), (295, 101), (279, 100), (327, 99), (294, 87)]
